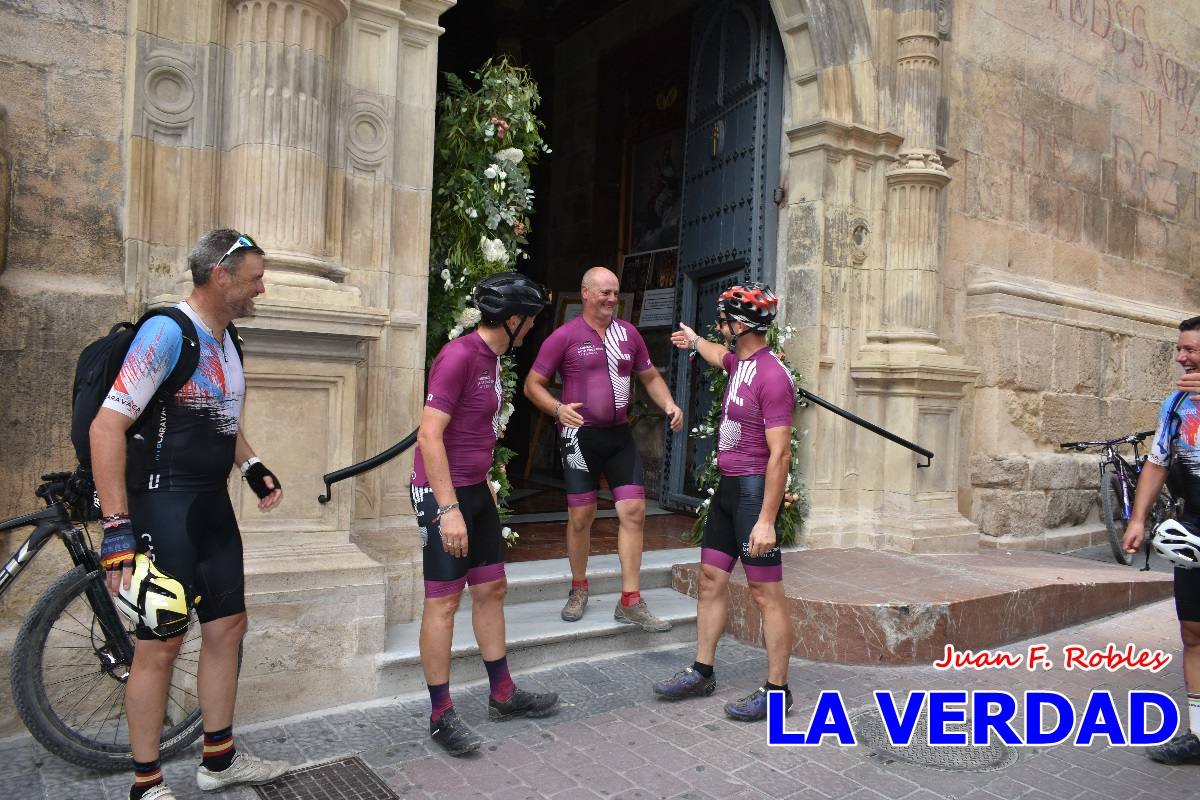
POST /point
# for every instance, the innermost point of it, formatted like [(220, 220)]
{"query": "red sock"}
[(630, 598), (579, 584)]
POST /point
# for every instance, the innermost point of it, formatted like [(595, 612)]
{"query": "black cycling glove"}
[(255, 477)]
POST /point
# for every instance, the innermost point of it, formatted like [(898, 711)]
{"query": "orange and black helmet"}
[(751, 303)]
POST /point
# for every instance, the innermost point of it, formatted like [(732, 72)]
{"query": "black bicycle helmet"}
[(754, 304), (504, 294)]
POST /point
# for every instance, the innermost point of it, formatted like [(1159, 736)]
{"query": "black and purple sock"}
[(502, 683), (439, 698)]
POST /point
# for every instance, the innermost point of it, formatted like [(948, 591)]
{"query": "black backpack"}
[(101, 360)]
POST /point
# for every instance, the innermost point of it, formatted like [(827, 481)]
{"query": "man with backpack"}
[(1175, 458), (162, 447)]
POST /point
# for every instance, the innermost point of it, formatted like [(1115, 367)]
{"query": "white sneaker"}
[(160, 792), (244, 769)]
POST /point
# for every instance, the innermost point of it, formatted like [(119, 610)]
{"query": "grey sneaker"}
[(245, 769), (160, 792), (576, 603), (1183, 749), (638, 614)]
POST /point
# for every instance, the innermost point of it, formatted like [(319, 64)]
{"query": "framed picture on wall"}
[(655, 187)]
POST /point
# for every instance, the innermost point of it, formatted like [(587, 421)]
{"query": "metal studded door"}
[(728, 220)]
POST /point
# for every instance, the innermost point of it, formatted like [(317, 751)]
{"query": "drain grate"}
[(870, 732), (344, 779)]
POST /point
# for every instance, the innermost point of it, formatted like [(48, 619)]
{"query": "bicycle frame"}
[(48, 523)]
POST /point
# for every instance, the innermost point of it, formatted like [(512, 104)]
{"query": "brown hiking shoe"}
[(638, 614), (576, 603)]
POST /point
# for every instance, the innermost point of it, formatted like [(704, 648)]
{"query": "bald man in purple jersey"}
[(754, 458), (596, 354)]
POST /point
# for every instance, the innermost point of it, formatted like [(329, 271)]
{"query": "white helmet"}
[(154, 599), (1176, 544)]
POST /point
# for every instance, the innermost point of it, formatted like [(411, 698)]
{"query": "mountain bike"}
[(72, 655), (1118, 483)]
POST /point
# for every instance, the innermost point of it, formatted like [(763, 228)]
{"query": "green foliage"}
[(790, 521), (485, 142)]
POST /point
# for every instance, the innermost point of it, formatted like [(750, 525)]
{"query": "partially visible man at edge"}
[(1175, 457)]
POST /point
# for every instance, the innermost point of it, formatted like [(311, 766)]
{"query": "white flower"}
[(493, 249), (469, 317), (455, 332), (472, 213), (503, 175), (495, 485), (446, 279), (491, 172), (512, 154), (505, 414), (711, 492), (509, 535)]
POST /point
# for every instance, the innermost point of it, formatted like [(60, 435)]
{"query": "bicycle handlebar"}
[(1133, 438)]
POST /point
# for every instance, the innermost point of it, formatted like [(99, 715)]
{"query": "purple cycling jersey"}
[(595, 371), (760, 395), (464, 382)]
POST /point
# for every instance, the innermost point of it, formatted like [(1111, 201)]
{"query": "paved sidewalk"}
[(612, 739)]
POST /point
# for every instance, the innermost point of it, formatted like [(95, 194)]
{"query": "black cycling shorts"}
[(589, 452), (446, 574), (731, 516), (194, 538), (1187, 594)]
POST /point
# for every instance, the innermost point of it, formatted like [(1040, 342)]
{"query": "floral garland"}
[(486, 141), (791, 517)]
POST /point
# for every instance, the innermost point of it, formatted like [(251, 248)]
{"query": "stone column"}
[(903, 376), (912, 298), (279, 110)]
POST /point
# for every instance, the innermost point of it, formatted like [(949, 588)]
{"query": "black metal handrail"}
[(374, 461), (399, 447), (872, 427)]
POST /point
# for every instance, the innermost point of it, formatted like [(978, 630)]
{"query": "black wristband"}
[(255, 477)]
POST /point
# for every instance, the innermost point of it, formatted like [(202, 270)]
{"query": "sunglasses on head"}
[(243, 242)]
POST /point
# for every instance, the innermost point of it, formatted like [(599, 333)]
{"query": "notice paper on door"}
[(658, 308)]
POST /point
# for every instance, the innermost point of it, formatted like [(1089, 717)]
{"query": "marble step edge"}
[(537, 624)]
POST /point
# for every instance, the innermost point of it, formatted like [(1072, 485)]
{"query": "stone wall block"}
[(991, 348), (1069, 417), (1009, 513), (1033, 368), (1054, 471), (999, 472), (1149, 368), (1069, 507)]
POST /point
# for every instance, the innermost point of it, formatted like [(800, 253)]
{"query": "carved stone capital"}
[(918, 166)]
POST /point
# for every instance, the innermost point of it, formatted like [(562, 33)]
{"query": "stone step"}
[(882, 607), (533, 581), (537, 637)]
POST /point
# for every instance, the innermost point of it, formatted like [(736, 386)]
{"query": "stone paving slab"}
[(613, 739)]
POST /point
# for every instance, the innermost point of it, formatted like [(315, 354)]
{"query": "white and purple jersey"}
[(595, 371), (189, 445), (464, 382), (760, 395)]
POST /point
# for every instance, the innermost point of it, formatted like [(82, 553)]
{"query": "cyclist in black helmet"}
[(460, 528)]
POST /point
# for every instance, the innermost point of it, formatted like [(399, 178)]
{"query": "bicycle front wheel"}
[(1113, 513), (68, 683)]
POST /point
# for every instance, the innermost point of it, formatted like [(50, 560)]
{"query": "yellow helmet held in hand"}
[(154, 599)]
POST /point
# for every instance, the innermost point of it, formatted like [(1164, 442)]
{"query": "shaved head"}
[(597, 276)]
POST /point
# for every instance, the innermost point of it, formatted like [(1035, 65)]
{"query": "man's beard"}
[(244, 309)]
